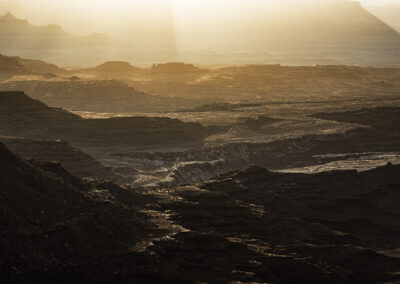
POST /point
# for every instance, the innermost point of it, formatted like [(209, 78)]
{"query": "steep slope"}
[(299, 32), (323, 32), (49, 220), (73, 160), (16, 66), (41, 67), (10, 66), (390, 14)]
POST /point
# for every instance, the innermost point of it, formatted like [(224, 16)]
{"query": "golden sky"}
[(186, 27), (88, 16)]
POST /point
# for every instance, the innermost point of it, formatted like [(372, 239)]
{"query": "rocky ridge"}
[(25, 117), (73, 160)]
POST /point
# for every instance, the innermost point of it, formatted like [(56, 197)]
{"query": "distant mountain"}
[(115, 67), (324, 32), (10, 25), (176, 68), (390, 14), (19, 37), (334, 32), (111, 69)]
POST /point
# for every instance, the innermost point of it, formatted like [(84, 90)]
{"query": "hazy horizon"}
[(122, 16), (207, 32)]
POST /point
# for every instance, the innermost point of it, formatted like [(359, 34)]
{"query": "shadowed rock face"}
[(335, 227), (49, 219), (251, 226), (388, 13), (75, 161), (23, 116), (381, 119)]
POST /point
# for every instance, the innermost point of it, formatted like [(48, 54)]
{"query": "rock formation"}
[(49, 220), (25, 117), (10, 66), (74, 160), (20, 37), (93, 95), (251, 226)]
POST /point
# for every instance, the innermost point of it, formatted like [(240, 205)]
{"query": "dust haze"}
[(205, 32)]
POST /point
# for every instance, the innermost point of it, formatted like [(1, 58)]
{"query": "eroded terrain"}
[(178, 123), (177, 173), (246, 226)]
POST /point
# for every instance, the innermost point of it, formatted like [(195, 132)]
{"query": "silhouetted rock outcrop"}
[(74, 160), (25, 117), (384, 119), (19, 34), (93, 95), (41, 67), (177, 68), (16, 66), (114, 67)]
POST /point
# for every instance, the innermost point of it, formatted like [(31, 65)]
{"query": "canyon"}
[(249, 226)]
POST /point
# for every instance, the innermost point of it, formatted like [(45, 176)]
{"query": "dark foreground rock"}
[(251, 226), (334, 227), (49, 219)]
